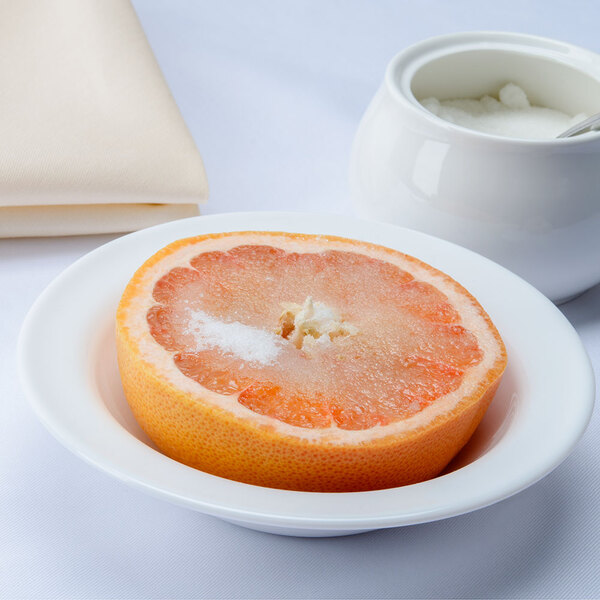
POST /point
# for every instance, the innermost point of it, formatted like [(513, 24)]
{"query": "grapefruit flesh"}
[(304, 362)]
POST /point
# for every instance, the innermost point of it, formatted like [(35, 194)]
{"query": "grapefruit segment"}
[(304, 362), (220, 376), (174, 283), (297, 410), (423, 300)]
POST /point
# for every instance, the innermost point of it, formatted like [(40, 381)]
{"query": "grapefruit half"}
[(304, 362)]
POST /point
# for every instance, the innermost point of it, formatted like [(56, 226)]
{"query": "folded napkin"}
[(91, 140)]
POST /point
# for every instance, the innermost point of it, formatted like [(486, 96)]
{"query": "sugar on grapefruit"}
[(304, 362)]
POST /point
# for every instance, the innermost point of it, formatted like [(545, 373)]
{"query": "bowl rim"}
[(412, 58), (76, 425)]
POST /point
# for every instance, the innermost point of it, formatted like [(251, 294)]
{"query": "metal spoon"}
[(590, 124)]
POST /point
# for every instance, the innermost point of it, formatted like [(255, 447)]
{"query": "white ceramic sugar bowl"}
[(532, 206)]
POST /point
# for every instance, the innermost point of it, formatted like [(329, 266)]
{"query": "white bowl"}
[(68, 367), (532, 206)]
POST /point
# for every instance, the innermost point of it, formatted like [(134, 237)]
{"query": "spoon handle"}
[(590, 123)]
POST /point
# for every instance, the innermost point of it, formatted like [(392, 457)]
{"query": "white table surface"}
[(272, 92)]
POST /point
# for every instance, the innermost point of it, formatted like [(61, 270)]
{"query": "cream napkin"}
[(91, 139)]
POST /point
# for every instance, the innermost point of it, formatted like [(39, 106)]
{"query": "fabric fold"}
[(92, 140)]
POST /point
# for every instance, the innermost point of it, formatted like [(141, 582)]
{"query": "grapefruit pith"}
[(304, 362)]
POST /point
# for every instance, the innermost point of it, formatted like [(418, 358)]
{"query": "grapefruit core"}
[(304, 362)]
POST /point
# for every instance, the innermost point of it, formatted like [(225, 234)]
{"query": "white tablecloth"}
[(273, 92)]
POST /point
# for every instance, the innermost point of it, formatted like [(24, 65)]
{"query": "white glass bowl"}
[(532, 206), (68, 367)]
